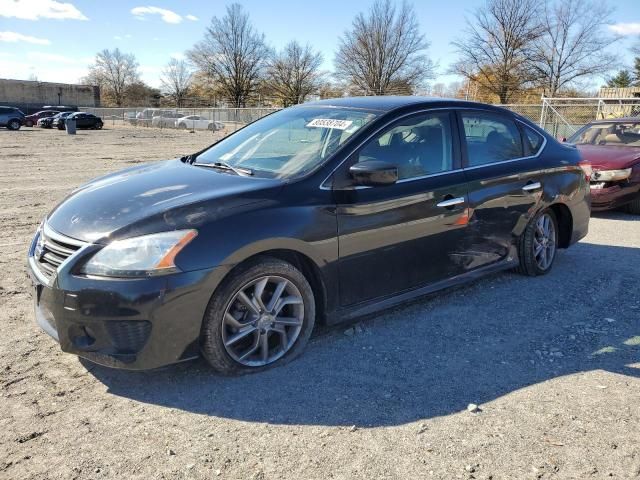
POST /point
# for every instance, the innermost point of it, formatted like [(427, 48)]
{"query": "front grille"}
[(52, 249), (128, 336)]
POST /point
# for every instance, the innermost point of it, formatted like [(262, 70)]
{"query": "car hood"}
[(154, 197), (608, 157)]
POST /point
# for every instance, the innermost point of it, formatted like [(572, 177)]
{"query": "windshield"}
[(288, 143), (625, 134)]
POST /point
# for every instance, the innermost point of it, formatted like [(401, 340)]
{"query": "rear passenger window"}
[(419, 145), (490, 138), (533, 140)]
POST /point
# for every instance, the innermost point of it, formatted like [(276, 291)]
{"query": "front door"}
[(402, 236)]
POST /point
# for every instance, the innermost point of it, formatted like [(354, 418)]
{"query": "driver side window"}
[(419, 145)]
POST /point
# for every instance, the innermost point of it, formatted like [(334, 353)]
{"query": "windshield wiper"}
[(243, 172)]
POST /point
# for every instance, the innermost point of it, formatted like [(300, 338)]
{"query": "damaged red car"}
[(612, 147)]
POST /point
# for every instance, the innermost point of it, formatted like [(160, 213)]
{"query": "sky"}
[(56, 40)]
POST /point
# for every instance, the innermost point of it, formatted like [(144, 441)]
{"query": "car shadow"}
[(432, 357)]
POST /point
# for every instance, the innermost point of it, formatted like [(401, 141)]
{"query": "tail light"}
[(586, 168)]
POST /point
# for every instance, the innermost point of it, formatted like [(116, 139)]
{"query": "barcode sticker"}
[(330, 123)]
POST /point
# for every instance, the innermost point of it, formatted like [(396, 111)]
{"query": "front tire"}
[(13, 125), (634, 206), (538, 244), (261, 316)]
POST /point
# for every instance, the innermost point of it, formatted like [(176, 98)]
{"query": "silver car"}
[(11, 118)]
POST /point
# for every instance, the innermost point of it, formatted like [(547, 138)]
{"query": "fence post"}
[(542, 111)]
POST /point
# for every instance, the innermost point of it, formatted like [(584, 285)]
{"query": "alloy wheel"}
[(263, 321), (544, 241)]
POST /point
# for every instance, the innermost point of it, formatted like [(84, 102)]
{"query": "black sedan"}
[(318, 213), (83, 120)]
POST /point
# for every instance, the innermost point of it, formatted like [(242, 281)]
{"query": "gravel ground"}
[(553, 364)]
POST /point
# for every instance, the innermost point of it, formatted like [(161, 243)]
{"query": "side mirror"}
[(371, 173)]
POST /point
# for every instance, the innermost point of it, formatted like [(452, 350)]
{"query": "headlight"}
[(611, 175), (140, 256)]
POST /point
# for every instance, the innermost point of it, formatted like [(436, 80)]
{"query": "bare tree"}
[(497, 45), (294, 73), (233, 53), (176, 80), (384, 51), (636, 65), (114, 71), (573, 44)]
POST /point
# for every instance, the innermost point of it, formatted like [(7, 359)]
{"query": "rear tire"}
[(99, 126), (28, 123), (538, 244), (634, 206), (284, 321)]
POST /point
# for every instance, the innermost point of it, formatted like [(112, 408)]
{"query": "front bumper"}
[(614, 196), (134, 324)]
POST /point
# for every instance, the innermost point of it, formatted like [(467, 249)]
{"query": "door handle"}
[(530, 187), (450, 202)]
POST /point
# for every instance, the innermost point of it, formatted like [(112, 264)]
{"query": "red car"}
[(612, 147), (31, 120)]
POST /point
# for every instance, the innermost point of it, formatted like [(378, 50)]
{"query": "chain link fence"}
[(212, 119), (561, 117)]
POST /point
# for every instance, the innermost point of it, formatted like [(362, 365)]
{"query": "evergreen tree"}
[(622, 80)]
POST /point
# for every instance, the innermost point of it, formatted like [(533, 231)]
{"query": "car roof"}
[(388, 103), (618, 120)]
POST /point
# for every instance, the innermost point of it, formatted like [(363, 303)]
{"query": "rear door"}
[(398, 237), (505, 181)]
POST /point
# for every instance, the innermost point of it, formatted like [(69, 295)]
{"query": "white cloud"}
[(117, 37), (166, 15), (626, 28), (178, 56), (193, 18), (35, 9), (45, 72), (151, 74), (14, 37)]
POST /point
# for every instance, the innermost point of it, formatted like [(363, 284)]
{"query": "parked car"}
[(613, 149), (238, 250), (145, 116), (31, 120), (194, 122), (52, 122), (11, 118), (61, 108), (166, 119), (83, 120)]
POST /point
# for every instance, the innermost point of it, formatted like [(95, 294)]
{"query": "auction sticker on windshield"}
[(330, 123)]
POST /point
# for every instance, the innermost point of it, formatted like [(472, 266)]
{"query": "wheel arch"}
[(565, 223), (303, 262)]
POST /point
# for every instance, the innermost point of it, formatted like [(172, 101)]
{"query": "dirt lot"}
[(552, 362)]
